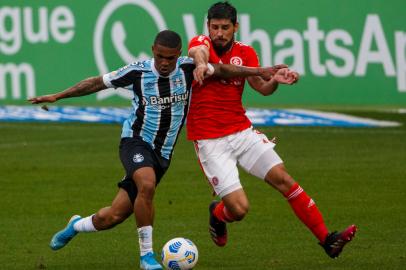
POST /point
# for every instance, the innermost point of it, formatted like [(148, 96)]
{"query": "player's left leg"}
[(307, 211), (104, 219), (303, 206), (108, 217), (262, 161), (61, 238)]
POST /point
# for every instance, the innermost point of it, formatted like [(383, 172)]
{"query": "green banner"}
[(348, 52)]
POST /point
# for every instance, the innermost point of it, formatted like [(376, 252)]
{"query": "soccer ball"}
[(179, 254)]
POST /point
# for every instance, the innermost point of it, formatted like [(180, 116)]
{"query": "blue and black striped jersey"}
[(160, 103)]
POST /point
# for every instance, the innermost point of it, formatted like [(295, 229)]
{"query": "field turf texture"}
[(48, 172)]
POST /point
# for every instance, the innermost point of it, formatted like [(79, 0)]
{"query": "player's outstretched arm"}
[(82, 88), (230, 71), (283, 76)]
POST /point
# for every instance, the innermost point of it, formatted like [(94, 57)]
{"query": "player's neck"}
[(220, 51)]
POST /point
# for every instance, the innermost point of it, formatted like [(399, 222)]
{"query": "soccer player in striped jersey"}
[(161, 88), (224, 136)]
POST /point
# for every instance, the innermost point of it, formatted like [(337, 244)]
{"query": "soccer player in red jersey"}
[(224, 136)]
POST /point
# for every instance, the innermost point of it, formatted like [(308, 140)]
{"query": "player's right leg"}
[(232, 207), (145, 168), (145, 181), (219, 164)]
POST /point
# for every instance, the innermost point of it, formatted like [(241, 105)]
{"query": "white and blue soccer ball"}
[(179, 254)]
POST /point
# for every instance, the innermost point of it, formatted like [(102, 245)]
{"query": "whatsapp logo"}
[(116, 21)]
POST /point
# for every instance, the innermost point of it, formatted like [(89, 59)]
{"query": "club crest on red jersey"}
[(235, 60)]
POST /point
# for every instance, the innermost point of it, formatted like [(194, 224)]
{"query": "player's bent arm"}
[(263, 87), (82, 88), (200, 55)]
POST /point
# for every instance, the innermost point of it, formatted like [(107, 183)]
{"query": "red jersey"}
[(216, 107)]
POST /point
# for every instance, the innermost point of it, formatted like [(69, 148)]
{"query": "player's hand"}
[(286, 76), (274, 69), (43, 99), (266, 73), (199, 73), (295, 76)]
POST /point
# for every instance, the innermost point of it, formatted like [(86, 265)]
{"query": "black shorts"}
[(136, 154)]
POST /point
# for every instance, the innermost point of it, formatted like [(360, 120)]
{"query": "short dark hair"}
[(222, 10), (168, 39)]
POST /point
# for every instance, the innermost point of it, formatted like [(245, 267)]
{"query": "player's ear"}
[(236, 25)]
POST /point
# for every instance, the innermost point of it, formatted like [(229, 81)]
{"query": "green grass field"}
[(49, 172)]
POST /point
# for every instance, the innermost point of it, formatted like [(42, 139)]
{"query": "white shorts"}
[(219, 157)]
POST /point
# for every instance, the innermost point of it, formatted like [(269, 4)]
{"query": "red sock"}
[(222, 214), (307, 211)]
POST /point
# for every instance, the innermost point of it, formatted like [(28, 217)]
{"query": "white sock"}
[(85, 225), (145, 239)]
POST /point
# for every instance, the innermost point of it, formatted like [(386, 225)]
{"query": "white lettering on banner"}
[(339, 52), (328, 52), (16, 73), (313, 35), (400, 43), (61, 26), (373, 31), (258, 35), (10, 41), (295, 51), (42, 35), (338, 43)]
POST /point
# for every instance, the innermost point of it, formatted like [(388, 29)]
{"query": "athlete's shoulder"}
[(247, 53), (139, 67), (243, 46), (185, 60), (186, 64), (200, 40)]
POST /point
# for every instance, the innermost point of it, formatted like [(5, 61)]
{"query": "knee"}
[(108, 219), (145, 182), (146, 190)]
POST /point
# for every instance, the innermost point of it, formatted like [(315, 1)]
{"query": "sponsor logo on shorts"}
[(138, 158), (215, 181)]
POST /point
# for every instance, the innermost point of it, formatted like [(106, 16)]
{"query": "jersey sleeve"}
[(200, 40), (252, 57), (186, 63), (123, 77)]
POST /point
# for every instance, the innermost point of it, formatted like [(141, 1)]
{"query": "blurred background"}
[(349, 53)]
